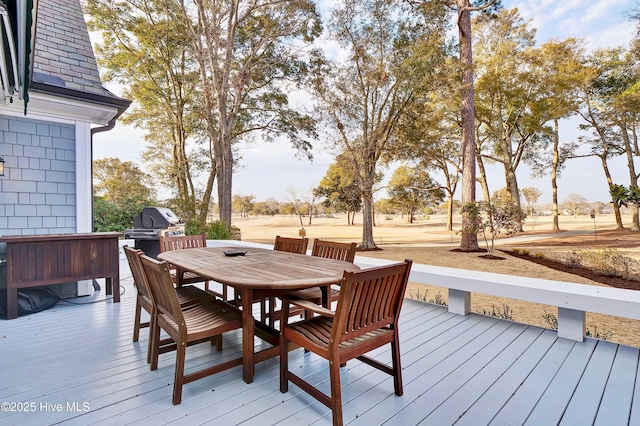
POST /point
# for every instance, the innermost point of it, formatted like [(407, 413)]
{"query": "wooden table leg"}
[(248, 330), (113, 288), (325, 290)]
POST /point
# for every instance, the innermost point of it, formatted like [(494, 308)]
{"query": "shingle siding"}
[(41, 177)]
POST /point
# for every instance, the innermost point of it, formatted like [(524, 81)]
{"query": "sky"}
[(272, 169)]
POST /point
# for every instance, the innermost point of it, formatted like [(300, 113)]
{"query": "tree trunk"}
[(373, 214), (367, 226), (554, 175), (633, 178), (616, 208), (469, 240), (483, 179), (450, 214), (225, 172)]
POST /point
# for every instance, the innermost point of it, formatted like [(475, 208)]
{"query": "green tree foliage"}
[(610, 111), (464, 8), (143, 49), (561, 66), (618, 90), (109, 216), (431, 134), (210, 72), (339, 189), (122, 191), (392, 55), (385, 206), (250, 56), (510, 99), (243, 204), (116, 180), (412, 189), (623, 196), (531, 196)]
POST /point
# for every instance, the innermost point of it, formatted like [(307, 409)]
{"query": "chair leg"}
[(397, 368), (151, 343), (336, 392), (217, 340), (136, 324), (179, 375), (284, 364), (155, 345)]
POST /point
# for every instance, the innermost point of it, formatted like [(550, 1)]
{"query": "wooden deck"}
[(77, 365)]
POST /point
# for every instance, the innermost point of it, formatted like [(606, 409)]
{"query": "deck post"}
[(571, 324), (459, 301)]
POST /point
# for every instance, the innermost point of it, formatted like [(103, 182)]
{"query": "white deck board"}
[(464, 370), (558, 394), (528, 392), (584, 404), (615, 407), (490, 389)]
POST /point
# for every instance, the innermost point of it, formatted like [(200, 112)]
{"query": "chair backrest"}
[(291, 245), (369, 300), (163, 293), (179, 242), (334, 250), (137, 271)]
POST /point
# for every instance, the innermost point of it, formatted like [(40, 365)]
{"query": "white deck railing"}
[(573, 300)]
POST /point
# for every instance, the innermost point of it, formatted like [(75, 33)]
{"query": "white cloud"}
[(613, 36), (602, 22)]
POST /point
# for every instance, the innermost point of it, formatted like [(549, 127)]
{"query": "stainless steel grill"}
[(149, 225)]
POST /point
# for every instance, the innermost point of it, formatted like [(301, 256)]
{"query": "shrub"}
[(489, 220), (506, 312), (424, 297), (552, 321), (539, 255), (604, 335), (439, 300), (573, 259), (612, 263), (516, 250), (214, 230), (525, 252)]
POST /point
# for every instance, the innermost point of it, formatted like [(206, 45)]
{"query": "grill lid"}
[(155, 218)]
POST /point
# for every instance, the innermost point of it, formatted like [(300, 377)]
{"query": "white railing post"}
[(459, 302), (571, 324)]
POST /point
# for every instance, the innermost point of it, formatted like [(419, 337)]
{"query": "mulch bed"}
[(583, 272)]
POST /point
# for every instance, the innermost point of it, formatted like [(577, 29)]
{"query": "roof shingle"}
[(63, 47)]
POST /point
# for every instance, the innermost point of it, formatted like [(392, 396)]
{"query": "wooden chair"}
[(186, 296), (180, 242), (328, 250), (366, 318), (290, 245), (195, 323)]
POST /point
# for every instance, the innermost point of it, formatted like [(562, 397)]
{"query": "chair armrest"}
[(307, 305)]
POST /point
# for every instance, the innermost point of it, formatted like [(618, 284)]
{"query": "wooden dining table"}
[(258, 269)]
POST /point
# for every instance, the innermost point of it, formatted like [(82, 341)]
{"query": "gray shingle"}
[(62, 44)]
